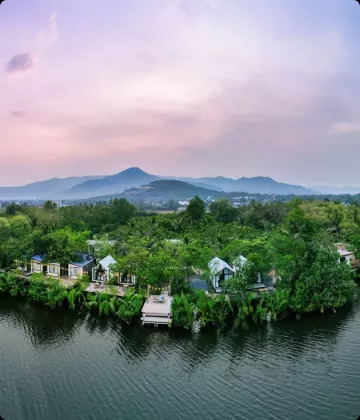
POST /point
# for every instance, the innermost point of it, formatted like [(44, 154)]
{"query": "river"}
[(58, 365)]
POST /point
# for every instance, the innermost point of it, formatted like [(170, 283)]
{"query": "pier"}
[(157, 310)]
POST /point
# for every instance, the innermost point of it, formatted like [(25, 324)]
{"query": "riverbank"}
[(238, 310)]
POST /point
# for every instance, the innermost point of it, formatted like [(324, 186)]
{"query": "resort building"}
[(220, 272), (102, 271), (80, 266), (105, 271), (345, 256), (96, 245)]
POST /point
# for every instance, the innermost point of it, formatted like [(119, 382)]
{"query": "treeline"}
[(294, 240)]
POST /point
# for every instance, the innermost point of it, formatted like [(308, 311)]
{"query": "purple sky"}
[(180, 87)]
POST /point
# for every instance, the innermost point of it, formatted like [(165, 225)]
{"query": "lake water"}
[(56, 365)]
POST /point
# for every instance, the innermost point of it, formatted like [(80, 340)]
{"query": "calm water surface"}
[(56, 365)]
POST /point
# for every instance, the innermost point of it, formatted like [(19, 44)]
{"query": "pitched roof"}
[(217, 265), (342, 249), (239, 262), (83, 258), (107, 262)]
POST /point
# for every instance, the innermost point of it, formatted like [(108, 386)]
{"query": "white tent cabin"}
[(102, 271), (220, 272), (239, 263)]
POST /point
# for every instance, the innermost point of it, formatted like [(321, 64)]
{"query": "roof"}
[(83, 259), (344, 253), (239, 262), (174, 241), (107, 262), (342, 249), (217, 265), (93, 242)]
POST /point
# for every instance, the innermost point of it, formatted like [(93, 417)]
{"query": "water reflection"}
[(44, 326), (58, 364), (48, 327)]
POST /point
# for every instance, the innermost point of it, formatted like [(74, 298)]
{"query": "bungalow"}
[(96, 245), (81, 265), (37, 264), (220, 271), (346, 256), (102, 271), (239, 262)]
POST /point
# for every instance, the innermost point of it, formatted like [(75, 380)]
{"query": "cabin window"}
[(224, 276), (53, 269), (37, 266), (342, 259), (75, 271)]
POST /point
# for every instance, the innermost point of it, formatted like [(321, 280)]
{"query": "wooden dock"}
[(157, 310)]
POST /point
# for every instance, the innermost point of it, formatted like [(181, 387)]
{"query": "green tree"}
[(49, 205), (223, 211), (196, 208)]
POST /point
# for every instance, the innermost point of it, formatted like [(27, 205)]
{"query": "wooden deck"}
[(156, 311)]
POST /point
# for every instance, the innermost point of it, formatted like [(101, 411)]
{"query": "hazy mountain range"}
[(101, 186), (162, 191)]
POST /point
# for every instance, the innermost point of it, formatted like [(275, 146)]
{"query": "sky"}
[(180, 87)]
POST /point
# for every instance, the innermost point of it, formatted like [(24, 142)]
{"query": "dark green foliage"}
[(52, 293), (293, 240), (196, 209)]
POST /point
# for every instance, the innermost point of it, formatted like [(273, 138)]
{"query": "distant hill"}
[(162, 190), (95, 186), (255, 185), (114, 184), (55, 188)]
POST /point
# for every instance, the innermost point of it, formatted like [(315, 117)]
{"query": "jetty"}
[(157, 310)]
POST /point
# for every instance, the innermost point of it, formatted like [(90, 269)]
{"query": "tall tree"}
[(196, 208)]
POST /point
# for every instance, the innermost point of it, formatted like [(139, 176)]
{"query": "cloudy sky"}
[(180, 87)]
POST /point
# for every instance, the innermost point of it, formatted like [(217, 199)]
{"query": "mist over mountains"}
[(88, 187)]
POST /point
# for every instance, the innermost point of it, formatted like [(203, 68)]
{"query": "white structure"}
[(81, 266), (184, 203), (239, 262), (96, 245), (37, 265), (345, 256), (220, 271), (53, 270), (102, 271)]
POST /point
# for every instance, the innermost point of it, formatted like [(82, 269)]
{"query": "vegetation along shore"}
[(290, 248)]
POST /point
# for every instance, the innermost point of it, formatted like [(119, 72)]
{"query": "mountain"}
[(161, 191), (113, 184), (96, 186), (55, 188), (255, 185)]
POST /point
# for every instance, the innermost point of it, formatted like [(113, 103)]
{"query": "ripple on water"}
[(57, 365)]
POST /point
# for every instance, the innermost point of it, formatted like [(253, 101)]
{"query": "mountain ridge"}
[(134, 177)]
